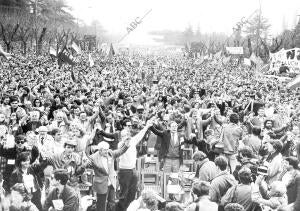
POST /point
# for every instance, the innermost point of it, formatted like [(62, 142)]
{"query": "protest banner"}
[(235, 50), (289, 58)]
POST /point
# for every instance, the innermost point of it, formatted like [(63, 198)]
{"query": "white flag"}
[(247, 61), (52, 51), (91, 60), (4, 54), (76, 48)]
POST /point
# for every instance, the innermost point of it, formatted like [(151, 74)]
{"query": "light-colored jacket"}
[(103, 175)]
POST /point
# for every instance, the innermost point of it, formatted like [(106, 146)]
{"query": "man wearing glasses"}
[(11, 153)]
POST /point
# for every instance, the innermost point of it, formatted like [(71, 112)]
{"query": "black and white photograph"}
[(139, 105)]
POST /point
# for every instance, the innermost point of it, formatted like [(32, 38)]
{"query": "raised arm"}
[(138, 137), (156, 131)]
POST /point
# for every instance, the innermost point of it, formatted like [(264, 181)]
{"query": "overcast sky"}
[(209, 15)]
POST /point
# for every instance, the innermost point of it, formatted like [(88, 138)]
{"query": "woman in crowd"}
[(29, 175)]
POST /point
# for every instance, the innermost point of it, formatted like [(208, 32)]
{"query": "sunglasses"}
[(20, 142)]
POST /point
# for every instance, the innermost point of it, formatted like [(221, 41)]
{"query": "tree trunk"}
[(24, 44), (7, 47), (40, 41)]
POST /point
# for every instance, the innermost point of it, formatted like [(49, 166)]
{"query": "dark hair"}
[(246, 151), (19, 137), (54, 131), (256, 130), (234, 207), (200, 188), (293, 161), (23, 156), (221, 162), (234, 118), (34, 102), (61, 175), (268, 120)]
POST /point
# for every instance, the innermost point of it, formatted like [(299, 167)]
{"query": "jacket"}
[(206, 171), (240, 194), (165, 142), (11, 155), (220, 184), (102, 175), (232, 133), (200, 125), (35, 170), (69, 197)]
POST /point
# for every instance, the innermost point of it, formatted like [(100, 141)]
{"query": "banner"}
[(65, 56), (289, 58), (235, 50)]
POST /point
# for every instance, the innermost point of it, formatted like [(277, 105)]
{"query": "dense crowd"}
[(60, 124)]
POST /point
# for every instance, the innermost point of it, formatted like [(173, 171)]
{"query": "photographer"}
[(241, 193)]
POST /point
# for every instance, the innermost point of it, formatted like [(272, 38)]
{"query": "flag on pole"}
[(4, 54), (76, 48), (111, 51), (247, 62), (52, 51), (65, 56), (91, 61), (294, 84)]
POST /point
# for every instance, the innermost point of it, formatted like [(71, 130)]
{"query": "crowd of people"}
[(60, 124)]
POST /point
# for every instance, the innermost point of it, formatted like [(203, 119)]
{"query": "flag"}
[(111, 51), (294, 84), (247, 62), (257, 60), (91, 61), (4, 54), (65, 56), (76, 48), (52, 51)]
